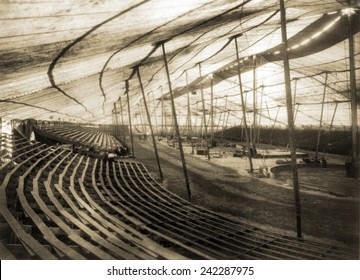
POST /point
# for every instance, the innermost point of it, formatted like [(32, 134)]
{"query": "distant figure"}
[(106, 155), (323, 162)]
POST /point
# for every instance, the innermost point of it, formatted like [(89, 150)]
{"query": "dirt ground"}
[(222, 185)]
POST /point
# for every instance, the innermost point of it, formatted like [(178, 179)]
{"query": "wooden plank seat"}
[(161, 217), (277, 241), (216, 229), (130, 233), (142, 212), (132, 198), (89, 209), (34, 247), (48, 235), (307, 255), (87, 136), (5, 253), (65, 249), (79, 221), (123, 232), (111, 237), (101, 241)]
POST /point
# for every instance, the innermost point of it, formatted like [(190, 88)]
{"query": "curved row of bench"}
[(81, 135), (62, 205)]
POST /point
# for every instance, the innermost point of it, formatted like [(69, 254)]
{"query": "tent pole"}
[(155, 113), (149, 121), (212, 112), (332, 121), (321, 118), (190, 128), (204, 116), (243, 105), (354, 121), (129, 116), (162, 112), (260, 113), (187, 182), (254, 103), (273, 127), (290, 120), (296, 111), (116, 120), (223, 123), (188, 106), (122, 121), (294, 102)]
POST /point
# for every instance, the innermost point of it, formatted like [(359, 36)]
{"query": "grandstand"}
[(218, 130)]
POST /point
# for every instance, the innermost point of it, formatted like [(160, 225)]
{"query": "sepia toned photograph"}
[(180, 130)]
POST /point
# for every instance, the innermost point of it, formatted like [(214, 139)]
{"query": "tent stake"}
[(243, 106), (149, 121), (176, 124), (290, 120)]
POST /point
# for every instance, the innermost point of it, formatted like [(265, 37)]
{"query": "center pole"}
[(321, 118), (149, 121), (290, 120), (243, 106), (129, 116), (176, 124), (122, 121)]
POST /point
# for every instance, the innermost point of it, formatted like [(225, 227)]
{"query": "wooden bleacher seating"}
[(63, 205)]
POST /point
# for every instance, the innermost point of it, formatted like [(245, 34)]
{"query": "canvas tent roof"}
[(70, 60)]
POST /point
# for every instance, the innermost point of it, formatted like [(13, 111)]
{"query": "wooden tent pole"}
[(294, 102), (254, 103), (116, 120), (149, 121), (188, 107), (321, 118), (243, 105), (122, 121), (155, 113), (332, 121), (129, 116), (260, 113), (190, 126), (273, 127), (212, 112), (290, 120), (187, 182), (354, 102), (223, 123), (204, 116), (162, 111)]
